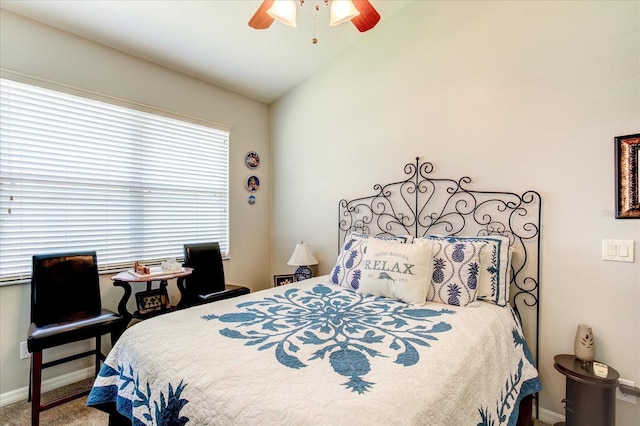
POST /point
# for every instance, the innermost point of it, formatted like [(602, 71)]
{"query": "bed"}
[(336, 349)]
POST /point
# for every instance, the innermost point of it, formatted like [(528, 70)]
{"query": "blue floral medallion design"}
[(348, 328)]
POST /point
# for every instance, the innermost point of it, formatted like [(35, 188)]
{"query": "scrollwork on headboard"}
[(421, 205)]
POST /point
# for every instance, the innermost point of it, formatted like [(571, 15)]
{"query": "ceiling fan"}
[(360, 12)]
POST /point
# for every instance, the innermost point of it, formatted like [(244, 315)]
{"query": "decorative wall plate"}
[(252, 160), (253, 183), (251, 200)]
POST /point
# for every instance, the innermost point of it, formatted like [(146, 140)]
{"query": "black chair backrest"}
[(64, 286), (208, 273)]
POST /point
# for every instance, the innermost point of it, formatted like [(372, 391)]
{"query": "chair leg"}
[(98, 354), (36, 379), (30, 379)]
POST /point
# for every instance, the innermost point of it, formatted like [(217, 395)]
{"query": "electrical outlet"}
[(24, 352), (631, 399)]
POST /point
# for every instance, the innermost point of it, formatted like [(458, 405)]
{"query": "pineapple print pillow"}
[(456, 267), (397, 271), (495, 261), (347, 271)]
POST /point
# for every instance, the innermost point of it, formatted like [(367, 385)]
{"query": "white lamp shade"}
[(342, 11), (284, 11), (302, 256)]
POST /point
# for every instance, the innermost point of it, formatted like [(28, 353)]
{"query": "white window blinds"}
[(81, 174)]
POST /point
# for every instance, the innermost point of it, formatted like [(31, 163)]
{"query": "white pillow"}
[(456, 269), (397, 271), (495, 260), (348, 268)]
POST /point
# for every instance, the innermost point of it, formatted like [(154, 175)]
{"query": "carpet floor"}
[(74, 413)]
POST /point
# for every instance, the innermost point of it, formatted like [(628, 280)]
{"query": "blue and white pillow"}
[(347, 271), (495, 261), (456, 270), (397, 271)]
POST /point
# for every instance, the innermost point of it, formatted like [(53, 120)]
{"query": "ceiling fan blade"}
[(368, 17), (261, 19)]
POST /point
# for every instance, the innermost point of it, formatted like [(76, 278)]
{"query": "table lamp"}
[(302, 257)]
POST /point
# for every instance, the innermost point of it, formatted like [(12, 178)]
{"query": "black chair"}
[(65, 308), (206, 283)]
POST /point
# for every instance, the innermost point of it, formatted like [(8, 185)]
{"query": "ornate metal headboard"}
[(421, 205)]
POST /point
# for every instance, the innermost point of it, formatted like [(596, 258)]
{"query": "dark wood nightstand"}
[(590, 400)]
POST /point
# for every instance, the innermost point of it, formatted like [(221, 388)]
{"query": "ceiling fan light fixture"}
[(342, 11), (284, 11)]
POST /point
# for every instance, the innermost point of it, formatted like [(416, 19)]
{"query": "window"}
[(129, 182)]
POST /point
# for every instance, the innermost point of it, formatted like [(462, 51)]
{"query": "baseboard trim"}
[(21, 394), (550, 417)]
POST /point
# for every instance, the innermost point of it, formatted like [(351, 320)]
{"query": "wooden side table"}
[(589, 400), (124, 280)]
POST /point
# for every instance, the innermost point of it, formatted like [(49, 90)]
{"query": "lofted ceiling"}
[(209, 39)]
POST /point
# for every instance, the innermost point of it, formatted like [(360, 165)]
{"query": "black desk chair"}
[(65, 308), (206, 283)]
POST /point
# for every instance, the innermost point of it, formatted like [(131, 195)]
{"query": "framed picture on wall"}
[(283, 279), (627, 178)]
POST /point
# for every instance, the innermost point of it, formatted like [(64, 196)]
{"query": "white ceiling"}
[(209, 39)]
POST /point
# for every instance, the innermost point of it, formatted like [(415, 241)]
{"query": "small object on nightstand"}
[(170, 265), (302, 257), (141, 269), (601, 370), (584, 347)]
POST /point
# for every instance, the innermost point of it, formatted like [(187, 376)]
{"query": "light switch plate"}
[(618, 250)]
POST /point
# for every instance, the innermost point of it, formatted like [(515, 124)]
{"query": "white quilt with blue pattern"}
[(313, 353)]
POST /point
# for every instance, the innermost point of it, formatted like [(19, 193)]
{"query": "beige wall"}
[(29, 47), (516, 95)]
